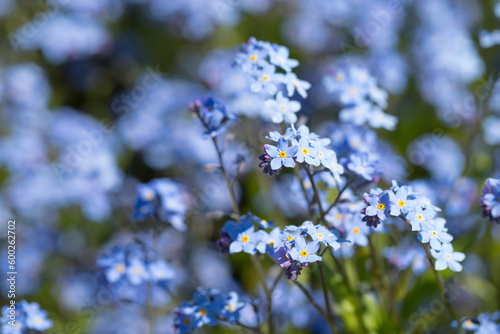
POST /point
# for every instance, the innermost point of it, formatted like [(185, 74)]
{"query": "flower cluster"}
[(260, 61), (134, 265), (162, 199), (295, 251), (206, 308), (302, 146), (362, 99), (482, 324), (290, 247), (24, 318), (490, 200), (213, 115), (420, 214)]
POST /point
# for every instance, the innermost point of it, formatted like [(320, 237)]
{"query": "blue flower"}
[(231, 307), (419, 216), (252, 58), (268, 241), (323, 235), (282, 109), (213, 116), (205, 313), (35, 318), (264, 80), (276, 136), (378, 209), (113, 265), (435, 233), (307, 153), (303, 131), (400, 202), (246, 241), (362, 165), (483, 324), (162, 199), (288, 236), (328, 159), (357, 233), (282, 155), (204, 308), (279, 56), (294, 84), (137, 272), (490, 200), (161, 272), (305, 252), (447, 258), (8, 312), (185, 318), (263, 224)]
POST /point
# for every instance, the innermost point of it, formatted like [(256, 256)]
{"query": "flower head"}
[(282, 155), (282, 109), (490, 200), (305, 252), (447, 258)]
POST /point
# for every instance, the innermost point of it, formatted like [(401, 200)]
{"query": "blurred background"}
[(93, 100)]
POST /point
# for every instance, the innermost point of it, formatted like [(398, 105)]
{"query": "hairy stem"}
[(226, 178), (329, 311), (311, 299), (438, 277), (268, 292)]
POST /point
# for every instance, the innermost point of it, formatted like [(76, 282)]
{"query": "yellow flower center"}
[(120, 268), (203, 312), (280, 59), (356, 230), (320, 154), (283, 107), (401, 203), (265, 78), (339, 77), (253, 57), (38, 320), (381, 206), (320, 235), (303, 253), (434, 233), (339, 216), (149, 195), (304, 150), (468, 324), (138, 270), (230, 307), (282, 154), (245, 238), (186, 321), (420, 217), (271, 243), (290, 238), (352, 91)]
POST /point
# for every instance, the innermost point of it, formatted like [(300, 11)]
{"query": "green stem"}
[(438, 277), (311, 299), (355, 292), (315, 191), (329, 311), (226, 178), (269, 294), (334, 203), (304, 191)]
